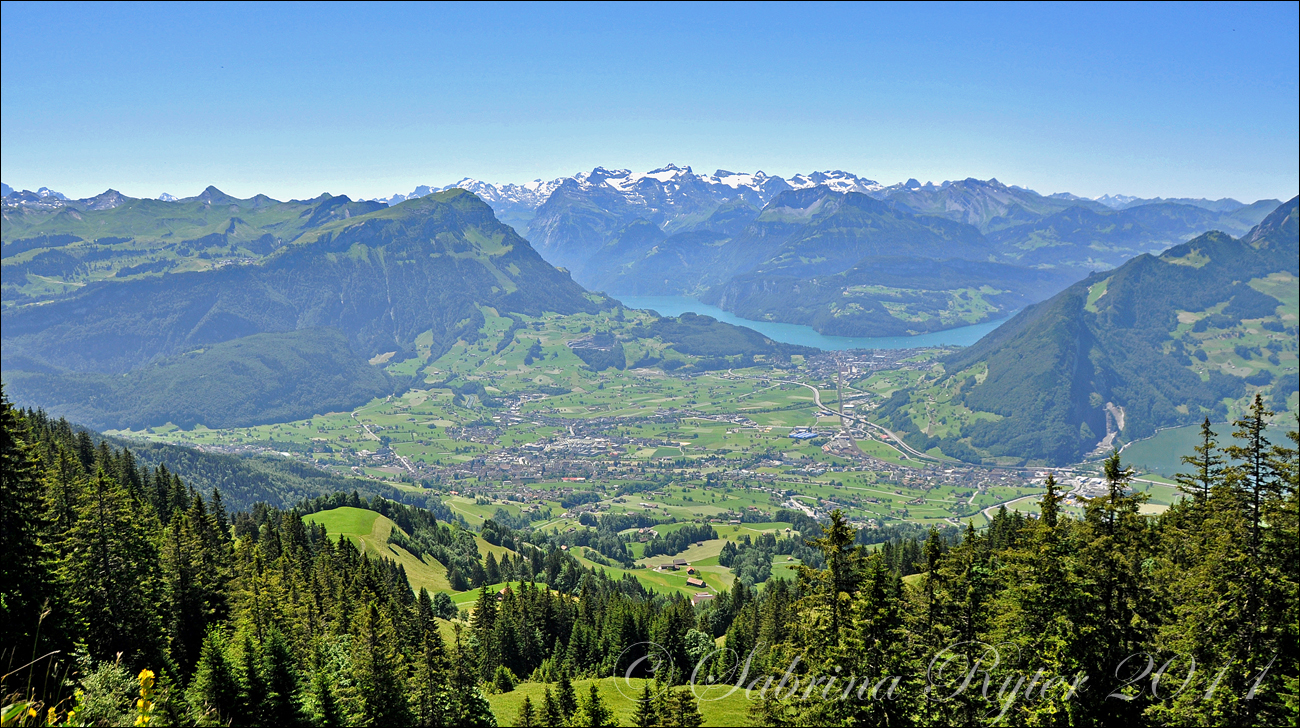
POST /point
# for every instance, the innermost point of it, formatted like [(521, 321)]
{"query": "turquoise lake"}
[(805, 335)]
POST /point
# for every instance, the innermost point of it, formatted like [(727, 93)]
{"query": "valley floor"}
[(539, 440)]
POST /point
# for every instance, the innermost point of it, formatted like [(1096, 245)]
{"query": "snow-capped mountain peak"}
[(736, 180), (837, 180), (1116, 201), (664, 182), (663, 174)]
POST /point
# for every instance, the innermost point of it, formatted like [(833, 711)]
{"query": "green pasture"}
[(369, 531), (619, 695)]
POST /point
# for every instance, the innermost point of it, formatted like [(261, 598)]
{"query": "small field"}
[(619, 694), (369, 532)]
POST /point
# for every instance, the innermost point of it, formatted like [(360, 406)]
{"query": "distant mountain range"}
[(755, 244), (1159, 341), (516, 204), (130, 312)]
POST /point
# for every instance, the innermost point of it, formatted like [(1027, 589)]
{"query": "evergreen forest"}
[(129, 597)]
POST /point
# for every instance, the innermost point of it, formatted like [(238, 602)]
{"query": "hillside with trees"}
[(1159, 341), (289, 335), (140, 600)]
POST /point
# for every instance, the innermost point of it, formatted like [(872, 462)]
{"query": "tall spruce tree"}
[(214, 692), (1254, 476), (592, 712), (378, 672), (112, 575), (843, 564), (1207, 467), (25, 568), (280, 673), (566, 699)]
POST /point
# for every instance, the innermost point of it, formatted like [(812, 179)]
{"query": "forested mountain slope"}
[(987, 204), (890, 295), (1089, 238), (814, 231), (270, 616), (379, 281), (1159, 341), (762, 264)]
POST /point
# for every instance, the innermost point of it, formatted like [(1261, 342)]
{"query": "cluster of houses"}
[(679, 564)]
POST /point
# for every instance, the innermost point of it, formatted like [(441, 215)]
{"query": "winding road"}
[(897, 442), (401, 459)]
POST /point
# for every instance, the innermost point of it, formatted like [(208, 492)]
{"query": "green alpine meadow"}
[(388, 365)]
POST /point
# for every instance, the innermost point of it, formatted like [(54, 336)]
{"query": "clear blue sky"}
[(368, 100)]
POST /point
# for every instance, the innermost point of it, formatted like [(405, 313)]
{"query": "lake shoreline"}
[(806, 335)]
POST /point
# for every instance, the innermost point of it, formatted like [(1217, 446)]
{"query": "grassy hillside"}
[(1157, 342), (369, 531)]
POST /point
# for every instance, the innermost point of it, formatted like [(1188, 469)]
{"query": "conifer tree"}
[(323, 706), (378, 673), (252, 681), (485, 614), (768, 710), (565, 697), (645, 715), (280, 672), (1207, 467), (592, 712), (962, 622), (429, 699), (476, 712), (86, 451), (1254, 474), (1116, 543), (684, 709), (551, 716), (185, 623), (1049, 507), (24, 566), (527, 717), (112, 575), (64, 482), (214, 692), (843, 561)]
